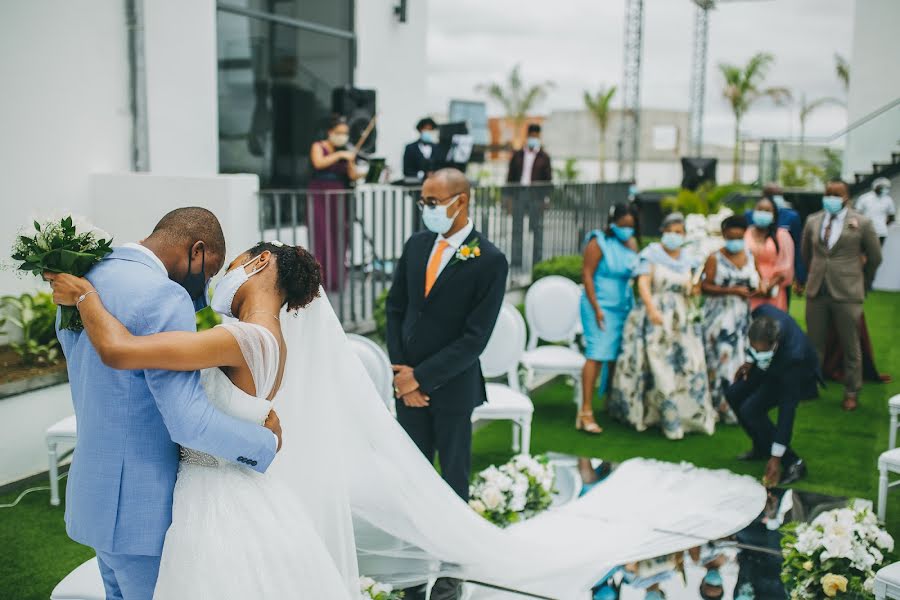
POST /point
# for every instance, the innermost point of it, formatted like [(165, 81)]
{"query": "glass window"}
[(275, 84)]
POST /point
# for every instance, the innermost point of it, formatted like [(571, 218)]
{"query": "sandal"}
[(585, 422)]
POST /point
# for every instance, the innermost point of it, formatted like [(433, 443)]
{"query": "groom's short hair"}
[(191, 224)]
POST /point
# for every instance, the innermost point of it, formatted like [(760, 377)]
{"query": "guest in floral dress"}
[(609, 260), (773, 250), (730, 278), (660, 376)]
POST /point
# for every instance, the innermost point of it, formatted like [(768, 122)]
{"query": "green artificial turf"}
[(840, 448)]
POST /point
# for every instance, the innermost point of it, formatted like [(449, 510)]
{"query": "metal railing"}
[(358, 235)]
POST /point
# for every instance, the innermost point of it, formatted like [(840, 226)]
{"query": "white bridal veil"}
[(376, 500)]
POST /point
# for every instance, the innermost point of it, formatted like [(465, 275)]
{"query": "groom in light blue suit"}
[(131, 423)]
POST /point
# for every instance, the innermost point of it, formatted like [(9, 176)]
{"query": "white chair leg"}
[(525, 429), (516, 433), (53, 470), (882, 492), (892, 435)]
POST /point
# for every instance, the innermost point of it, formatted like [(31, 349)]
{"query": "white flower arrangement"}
[(515, 491), (836, 555), (369, 589)]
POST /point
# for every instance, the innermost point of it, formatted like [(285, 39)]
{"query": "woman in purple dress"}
[(334, 169)]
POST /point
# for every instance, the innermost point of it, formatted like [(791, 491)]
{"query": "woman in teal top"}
[(609, 259)]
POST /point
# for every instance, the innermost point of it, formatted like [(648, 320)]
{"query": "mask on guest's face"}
[(227, 288), (883, 191), (778, 200), (672, 240), (623, 234), (429, 136), (734, 246), (833, 204), (762, 218), (436, 218), (195, 283), (534, 143), (338, 140), (762, 360)]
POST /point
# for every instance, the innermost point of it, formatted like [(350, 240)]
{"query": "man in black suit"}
[(783, 370), (419, 156), (531, 169), (447, 292)]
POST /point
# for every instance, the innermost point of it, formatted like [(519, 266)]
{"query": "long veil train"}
[(375, 499)]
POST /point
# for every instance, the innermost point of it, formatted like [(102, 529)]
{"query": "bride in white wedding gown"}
[(350, 492)]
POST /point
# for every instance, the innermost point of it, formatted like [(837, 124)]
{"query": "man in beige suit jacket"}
[(842, 252)]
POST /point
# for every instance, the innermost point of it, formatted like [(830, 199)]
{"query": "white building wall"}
[(392, 59), (182, 96), (873, 83), (64, 110)]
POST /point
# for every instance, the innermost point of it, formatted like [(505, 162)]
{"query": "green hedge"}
[(565, 266)]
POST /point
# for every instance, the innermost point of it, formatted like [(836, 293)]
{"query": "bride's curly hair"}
[(299, 273)]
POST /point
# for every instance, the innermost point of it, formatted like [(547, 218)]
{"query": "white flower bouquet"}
[(515, 491), (835, 556), (61, 245), (369, 589)]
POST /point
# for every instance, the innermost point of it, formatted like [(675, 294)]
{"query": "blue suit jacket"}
[(789, 219), (130, 423)]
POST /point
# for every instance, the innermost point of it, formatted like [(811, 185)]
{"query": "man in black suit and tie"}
[(447, 292), (419, 156)]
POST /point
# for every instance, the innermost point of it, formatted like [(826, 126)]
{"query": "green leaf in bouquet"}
[(37, 225)]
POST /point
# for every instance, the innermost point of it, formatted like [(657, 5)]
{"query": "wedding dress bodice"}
[(261, 351)]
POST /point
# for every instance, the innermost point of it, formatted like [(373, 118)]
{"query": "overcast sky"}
[(578, 45)]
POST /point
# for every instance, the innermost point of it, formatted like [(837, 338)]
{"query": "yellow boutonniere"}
[(468, 251)]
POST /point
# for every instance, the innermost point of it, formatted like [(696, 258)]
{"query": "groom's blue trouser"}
[(128, 576)]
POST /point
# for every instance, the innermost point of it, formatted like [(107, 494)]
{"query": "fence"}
[(358, 235)]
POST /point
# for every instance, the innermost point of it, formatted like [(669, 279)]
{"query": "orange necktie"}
[(434, 263)]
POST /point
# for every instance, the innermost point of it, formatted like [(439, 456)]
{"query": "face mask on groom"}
[(195, 283)]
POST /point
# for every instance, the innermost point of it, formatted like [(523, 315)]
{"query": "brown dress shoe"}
[(850, 402)]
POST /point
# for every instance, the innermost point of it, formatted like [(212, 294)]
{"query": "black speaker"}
[(697, 171), (358, 106)]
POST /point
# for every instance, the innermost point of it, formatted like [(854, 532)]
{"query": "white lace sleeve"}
[(260, 350)]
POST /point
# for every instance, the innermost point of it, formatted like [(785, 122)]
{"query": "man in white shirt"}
[(878, 206)]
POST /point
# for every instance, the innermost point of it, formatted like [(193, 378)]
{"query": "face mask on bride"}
[(223, 295)]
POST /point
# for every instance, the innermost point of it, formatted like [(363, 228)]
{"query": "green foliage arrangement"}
[(35, 316), (568, 266)]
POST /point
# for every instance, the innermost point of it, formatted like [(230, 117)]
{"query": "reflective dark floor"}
[(746, 566)]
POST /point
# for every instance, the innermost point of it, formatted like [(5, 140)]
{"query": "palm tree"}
[(743, 87), (599, 107), (517, 98), (807, 108), (842, 68)]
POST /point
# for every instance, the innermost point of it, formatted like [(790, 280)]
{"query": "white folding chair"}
[(552, 311), (377, 365), (84, 583), (894, 408), (62, 431), (887, 582), (506, 402)]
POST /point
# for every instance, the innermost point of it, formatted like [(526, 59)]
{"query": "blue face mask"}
[(429, 137), (833, 204), (672, 240), (622, 233), (436, 218), (882, 192), (534, 143), (762, 219), (762, 360), (778, 199), (734, 246)]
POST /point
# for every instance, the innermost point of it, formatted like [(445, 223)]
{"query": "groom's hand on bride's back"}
[(274, 425)]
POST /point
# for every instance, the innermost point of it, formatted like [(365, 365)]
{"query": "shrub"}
[(207, 319), (379, 313), (35, 316), (566, 266), (800, 174)]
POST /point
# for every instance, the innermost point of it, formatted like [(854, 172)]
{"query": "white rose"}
[(382, 588), (884, 540), (365, 583), (869, 585), (478, 506), (491, 497), (808, 541), (836, 547), (503, 482)]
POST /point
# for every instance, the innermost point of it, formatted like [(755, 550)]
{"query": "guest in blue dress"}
[(609, 259)]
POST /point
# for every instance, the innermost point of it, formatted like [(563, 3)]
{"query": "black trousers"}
[(447, 433), (751, 401)]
